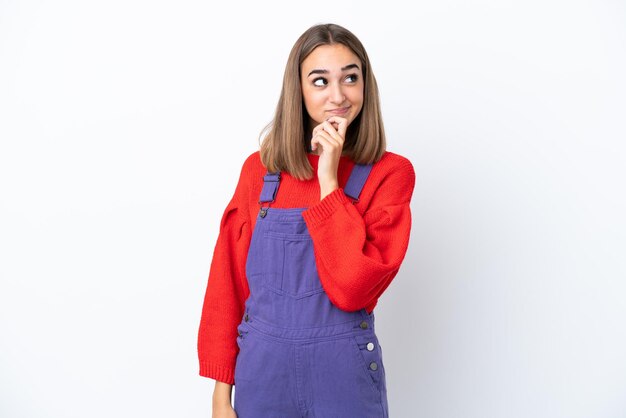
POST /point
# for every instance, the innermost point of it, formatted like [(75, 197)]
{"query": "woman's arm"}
[(358, 255), (222, 407), (226, 289)]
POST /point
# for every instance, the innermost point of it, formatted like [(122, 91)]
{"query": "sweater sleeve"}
[(226, 291), (357, 256)]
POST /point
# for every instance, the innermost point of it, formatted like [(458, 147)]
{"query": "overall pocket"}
[(243, 360), (370, 361), (288, 265), (264, 263), (242, 333)]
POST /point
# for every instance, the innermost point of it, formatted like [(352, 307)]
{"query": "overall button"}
[(364, 325), (373, 366), (246, 318), (370, 346)]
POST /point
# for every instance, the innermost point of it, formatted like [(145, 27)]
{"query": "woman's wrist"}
[(327, 188), (222, 393)]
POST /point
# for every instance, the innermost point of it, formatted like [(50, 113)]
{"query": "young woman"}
[(315, 232)]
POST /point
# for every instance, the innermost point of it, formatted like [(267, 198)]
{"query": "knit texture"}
[(358, 247)]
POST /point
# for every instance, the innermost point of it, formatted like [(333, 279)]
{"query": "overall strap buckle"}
[(271, 181)]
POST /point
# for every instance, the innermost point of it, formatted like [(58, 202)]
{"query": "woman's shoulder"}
[(394, 163), (250, 171), (252, 164), (392, 179), (253, 159)]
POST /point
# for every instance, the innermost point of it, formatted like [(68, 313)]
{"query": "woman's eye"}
[(352, 78), (320, 82)]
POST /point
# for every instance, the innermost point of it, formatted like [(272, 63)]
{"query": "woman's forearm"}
[(222, 393)]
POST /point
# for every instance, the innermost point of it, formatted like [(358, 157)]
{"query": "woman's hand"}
[(221, 401), (330, 136)]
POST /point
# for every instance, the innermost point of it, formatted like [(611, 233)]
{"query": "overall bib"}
[(299, 355)]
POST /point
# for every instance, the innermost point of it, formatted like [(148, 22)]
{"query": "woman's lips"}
[(340, 111)]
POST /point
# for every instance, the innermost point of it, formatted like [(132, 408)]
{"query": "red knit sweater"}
[(358, 247)]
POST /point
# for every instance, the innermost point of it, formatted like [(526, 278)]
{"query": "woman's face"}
[(332, 83)]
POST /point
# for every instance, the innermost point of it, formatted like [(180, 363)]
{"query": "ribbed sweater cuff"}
[(217, 372), (325, 207)]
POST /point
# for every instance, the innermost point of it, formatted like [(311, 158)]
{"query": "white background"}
[(123, 127)]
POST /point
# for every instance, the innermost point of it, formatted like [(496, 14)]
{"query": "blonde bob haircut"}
[(284, 146)]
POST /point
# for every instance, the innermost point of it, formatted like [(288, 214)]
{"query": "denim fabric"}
[(299, 355)]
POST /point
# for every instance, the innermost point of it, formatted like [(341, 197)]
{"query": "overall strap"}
[(357, 178), (271, 181)]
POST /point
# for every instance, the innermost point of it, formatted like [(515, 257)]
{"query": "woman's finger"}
[(328, 127), (333, 138), (342, 124), (327, 142)]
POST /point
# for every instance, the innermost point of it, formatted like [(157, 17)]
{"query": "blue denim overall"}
[(300, 355)]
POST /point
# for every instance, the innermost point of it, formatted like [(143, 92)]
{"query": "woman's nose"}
[(336, 94)]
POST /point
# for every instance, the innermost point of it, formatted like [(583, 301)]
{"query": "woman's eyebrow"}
[(347, 67)]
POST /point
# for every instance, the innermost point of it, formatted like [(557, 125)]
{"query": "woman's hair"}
[(284, 146)]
